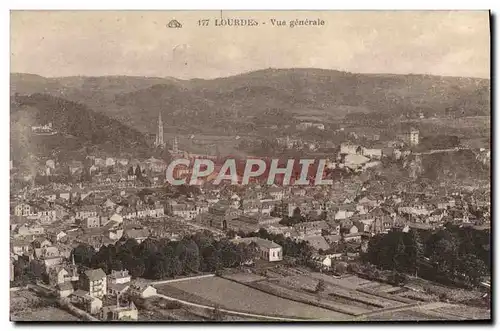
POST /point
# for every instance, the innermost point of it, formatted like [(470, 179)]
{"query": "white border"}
[(186, 5)]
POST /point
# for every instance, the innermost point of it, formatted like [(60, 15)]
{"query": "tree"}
[(320, 286), (138, 172), (472, 269), (340, 268), (189, 255), (398, 278), (83, 254), (137, 268), (415, 250), (399, 257)]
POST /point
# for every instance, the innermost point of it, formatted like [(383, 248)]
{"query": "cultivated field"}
[(234, 296), (292, 292)]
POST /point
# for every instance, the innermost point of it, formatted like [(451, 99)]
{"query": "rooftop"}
[(259, 241)]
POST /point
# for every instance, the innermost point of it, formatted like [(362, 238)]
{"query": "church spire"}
[(159, 135)]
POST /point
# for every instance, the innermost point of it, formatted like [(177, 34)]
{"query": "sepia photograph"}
[(250, 166)]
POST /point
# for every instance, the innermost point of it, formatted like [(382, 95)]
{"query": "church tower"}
[(159, 136), (175, 147)]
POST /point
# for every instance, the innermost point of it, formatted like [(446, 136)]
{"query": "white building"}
[(414, 137), (268, 250), (307, 125)]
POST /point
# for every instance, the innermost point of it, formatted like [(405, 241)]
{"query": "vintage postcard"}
[(260, 166)]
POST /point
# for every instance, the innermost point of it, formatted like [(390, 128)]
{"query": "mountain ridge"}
[(201, 104)]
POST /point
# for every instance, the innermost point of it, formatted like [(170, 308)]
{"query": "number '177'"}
[(203, 22)]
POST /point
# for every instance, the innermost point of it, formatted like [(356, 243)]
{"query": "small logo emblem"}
[(174, 24)]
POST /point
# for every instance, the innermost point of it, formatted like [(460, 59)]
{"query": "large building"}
[(268, 250), (414, 137)]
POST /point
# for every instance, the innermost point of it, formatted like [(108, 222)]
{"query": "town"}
[(105, 235), (250, 166)]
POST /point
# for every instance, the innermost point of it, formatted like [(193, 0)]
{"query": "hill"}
[(460, 166), (77, 129), (238, 103)]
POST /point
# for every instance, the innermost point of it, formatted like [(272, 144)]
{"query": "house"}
[(349, 228), (268, 250), (187, 211), (250, 206), (85, 301), (333, 239), (62, 274), (276, 192), (46, 214), (266, 207), (349, 148), (141, 290), (353, 237), (94, 282), (307, 125), (30, 230), (344, 211), (51, 261), (91, 222), (311, 228), (109, 203), (373, 153), (138, 234), (58, 236), (128, 213), (45, 252), (354, 161), (115, 234), (87, 211), (64, 289), (334, 227), (117, 289), (323, 262), (157, 210), (24, 209), (117, 218), (110, 162), (20, 247), (119, 277), (317, 242), (119, 312)]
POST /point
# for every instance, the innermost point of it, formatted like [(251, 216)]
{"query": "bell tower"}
[(159, 135)]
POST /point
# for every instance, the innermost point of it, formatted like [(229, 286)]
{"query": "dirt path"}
[(181, 279)]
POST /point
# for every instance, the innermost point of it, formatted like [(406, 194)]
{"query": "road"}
[(434, 151), (181, 279), (233, 312), (202, 227)]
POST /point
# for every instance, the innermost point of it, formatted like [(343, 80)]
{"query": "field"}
[(26, 306), (234, 296), (292, 292)]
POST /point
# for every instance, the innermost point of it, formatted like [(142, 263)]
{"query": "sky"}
[(139, 43)]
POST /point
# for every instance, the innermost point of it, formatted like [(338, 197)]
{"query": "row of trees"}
[(160, 258), (456, 254)]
